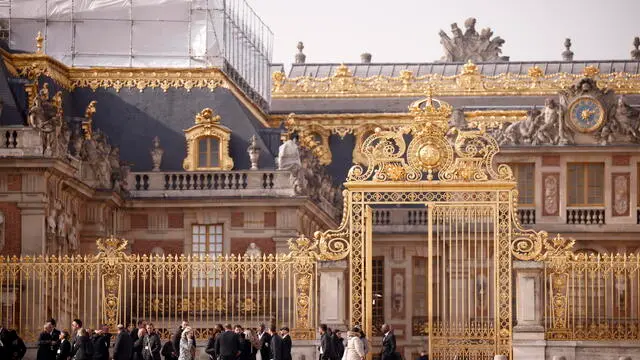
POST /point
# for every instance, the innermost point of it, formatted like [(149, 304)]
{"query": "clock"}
[(586, 114)]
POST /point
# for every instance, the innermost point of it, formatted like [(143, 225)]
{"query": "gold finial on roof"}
[(39, 42), (470, 68), (87, 123)]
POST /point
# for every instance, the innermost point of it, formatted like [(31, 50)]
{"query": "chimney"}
[(365, 58), (300, 57), (567, 54)]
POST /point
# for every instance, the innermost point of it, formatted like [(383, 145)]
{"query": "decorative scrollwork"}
[(469, 157)]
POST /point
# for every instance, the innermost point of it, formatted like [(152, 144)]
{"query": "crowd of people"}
[(226, 342)]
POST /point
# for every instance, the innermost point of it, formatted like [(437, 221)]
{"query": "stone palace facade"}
[(196, 160)]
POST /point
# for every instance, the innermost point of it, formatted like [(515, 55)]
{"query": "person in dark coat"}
[(227, 345), (82, 347), (211, 343), (168, 352), (101, 340), (286, 343), (76, 325), (245, 347), (423, 355), (338, 344), (134, 332), (265, 341), (138, 345), (5, 344), (175, 339), (123, 348), (17, 348), (276, 344), (151, 344), (64, 346), (388, 344), (47, 344), (327, 348)]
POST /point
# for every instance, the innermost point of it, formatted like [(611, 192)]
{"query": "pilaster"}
[(33, 239), (528, 334)]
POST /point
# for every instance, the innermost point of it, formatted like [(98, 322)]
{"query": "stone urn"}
[(254, 152), (156, 154)]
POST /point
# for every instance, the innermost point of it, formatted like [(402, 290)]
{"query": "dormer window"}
[(207, 144)]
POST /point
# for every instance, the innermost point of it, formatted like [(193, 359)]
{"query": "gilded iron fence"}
[(114, 287), (591, 296)]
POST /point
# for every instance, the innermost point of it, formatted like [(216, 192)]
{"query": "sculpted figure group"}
[(550, 126)]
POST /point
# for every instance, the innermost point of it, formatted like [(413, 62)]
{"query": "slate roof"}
[(321, 70)]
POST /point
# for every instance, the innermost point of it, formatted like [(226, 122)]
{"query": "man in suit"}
[(286, 343), (46, 344), (175, 339), (122, 350), (388, 344), (327, 348), (151, 344), (227, 344), (275, 345), (55, 333), (265, 340)]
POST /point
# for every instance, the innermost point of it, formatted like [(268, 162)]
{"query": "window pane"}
[(575, 184), (214, 150), (202, 152), (596, 184)]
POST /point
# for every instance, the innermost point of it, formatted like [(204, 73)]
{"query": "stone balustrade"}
[(19, 141), (211, 183), (585, 216), (527, 215)]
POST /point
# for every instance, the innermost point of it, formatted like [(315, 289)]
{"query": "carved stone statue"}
[(73, 236), (77, 140), (623, 121), (471, 45), (254, 153), (253, 250), (288, 155), (519, 132), (156, 154), (552, 130)]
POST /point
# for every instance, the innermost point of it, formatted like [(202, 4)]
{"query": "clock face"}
[(586, 114)]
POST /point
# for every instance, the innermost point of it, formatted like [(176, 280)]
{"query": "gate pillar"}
[(528, 334), (332, 293)]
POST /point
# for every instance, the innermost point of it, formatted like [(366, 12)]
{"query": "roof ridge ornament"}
[(471, 45), (635, 53), (567, 54), (300, 56), (39, 43)]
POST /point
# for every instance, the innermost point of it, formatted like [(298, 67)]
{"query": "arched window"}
[(207, 144)]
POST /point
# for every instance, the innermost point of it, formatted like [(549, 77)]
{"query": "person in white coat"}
[(355, 348)]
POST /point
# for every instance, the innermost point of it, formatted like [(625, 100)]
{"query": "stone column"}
[(528, 334), (33, 235), (332, 293)]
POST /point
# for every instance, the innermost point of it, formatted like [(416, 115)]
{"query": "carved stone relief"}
[(550, 194), (620, 193)]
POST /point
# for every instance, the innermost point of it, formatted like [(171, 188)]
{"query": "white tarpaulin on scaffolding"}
[(145, 33)]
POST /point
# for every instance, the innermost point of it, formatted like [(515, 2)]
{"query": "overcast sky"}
[(407, 30)]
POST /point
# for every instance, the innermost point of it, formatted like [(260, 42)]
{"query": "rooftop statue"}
[(471, 45)]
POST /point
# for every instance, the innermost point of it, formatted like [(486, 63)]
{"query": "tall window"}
[(378, 292), (206, 240), (208, 152), (419, 286), (585, 184), (525, 176)]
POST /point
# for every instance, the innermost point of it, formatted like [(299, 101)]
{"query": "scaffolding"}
[(226, 34)]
